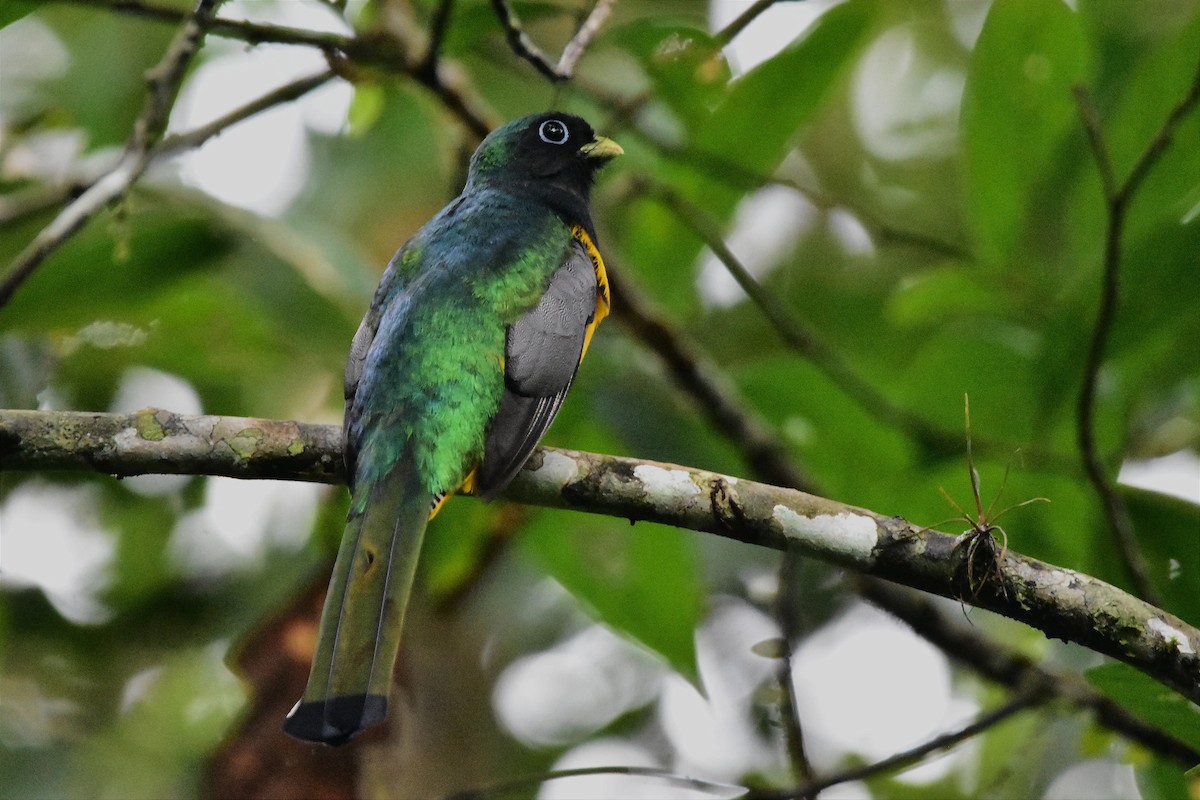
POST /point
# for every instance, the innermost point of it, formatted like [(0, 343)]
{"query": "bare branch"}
[(438, 25), (1117, 200), (730, 31), (509, 787), (796, 333), (379, 50), (970, 647), (284, 94), (907, 758), (786, 604), (579, 43), (521, 44), (731, 416), (1063, 603), (525, 47), (164, 80)]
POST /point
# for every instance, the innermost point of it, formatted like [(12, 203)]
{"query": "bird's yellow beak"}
[(601, 147)]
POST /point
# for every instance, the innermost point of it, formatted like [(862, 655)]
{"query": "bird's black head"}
[(552, 155)]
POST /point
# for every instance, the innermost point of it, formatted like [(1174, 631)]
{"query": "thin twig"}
[(907, 758), (786, 604), (1059, 601), (730, 31), (37, 199), (502, 788), (284, 94), (795, 333), (579, 43), (521, 44), (164, 80), (118, 180), (1117, 199), (527, 49), (379, 49), (732, 416), (438, 26)]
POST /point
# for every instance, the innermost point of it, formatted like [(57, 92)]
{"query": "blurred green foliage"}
[(950, 243)]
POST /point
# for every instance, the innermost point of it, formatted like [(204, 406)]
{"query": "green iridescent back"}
[(461, 281)]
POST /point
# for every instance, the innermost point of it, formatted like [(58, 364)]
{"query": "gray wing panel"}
[(542, 352)]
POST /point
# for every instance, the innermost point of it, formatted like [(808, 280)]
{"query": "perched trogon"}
[(469, 347)]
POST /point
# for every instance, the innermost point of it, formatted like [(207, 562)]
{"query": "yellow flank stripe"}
[(603, 298), (468, 485), (603, 305)]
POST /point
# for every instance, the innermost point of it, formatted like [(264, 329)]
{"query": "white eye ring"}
[(553, 131)]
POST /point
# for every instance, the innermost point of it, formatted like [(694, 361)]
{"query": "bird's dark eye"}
[(553, 132)]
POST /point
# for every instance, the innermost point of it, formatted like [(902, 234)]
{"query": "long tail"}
[(360, 624)]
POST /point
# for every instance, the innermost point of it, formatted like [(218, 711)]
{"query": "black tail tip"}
[(337, 720)]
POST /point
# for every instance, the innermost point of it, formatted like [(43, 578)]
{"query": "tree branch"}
[(730, 416), (969, 646), (164, 80), (379, 49), (1060, 602), (514, 785), (730, 31), (796, 333), (1117, 199), (906, 758), (525, 47), (706, 384)]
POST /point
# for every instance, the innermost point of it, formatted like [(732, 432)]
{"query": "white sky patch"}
[(766, 227), (866, 684), (573, 689), (1096, 780), (849, 232), (262, 163), (239, 522), (1177, 474), (715, 736), (770, 32), (51, 537), (906, 105)]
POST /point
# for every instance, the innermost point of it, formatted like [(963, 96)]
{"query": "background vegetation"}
[(925, 199)]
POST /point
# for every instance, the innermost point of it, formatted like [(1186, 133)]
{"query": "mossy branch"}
[(1060, 602)]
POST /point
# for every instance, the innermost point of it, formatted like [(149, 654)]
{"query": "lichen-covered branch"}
[(1062, 603), (154, 441)]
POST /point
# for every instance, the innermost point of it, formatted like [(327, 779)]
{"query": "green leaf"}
[(13, 10), (768, 105), (1150, 700), (1017, 110), (640, 580), (1162, 780), (1168, 531), (684, 63)]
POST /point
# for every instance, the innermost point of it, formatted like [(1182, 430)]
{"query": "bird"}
[(462, 361)]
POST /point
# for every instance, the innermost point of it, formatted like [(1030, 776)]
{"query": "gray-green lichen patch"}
[(146, 423), (245, 442)]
